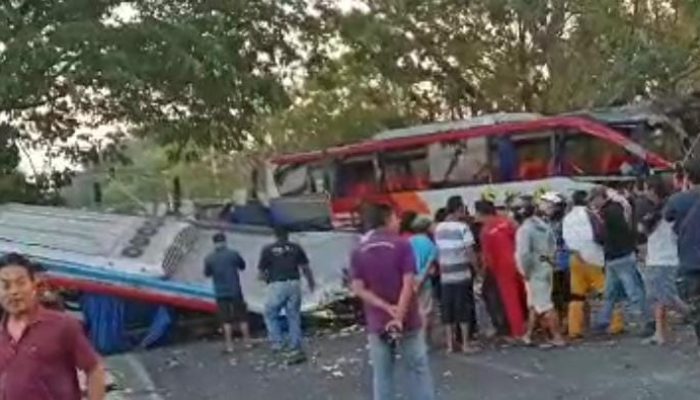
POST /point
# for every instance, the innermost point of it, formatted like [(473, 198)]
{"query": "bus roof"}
[(451, 126), (568, 125)]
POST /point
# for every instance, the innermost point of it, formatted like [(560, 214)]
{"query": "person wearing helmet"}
[(534, 255), (553, 206)]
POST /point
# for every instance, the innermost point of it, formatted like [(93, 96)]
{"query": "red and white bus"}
[(419, 168)]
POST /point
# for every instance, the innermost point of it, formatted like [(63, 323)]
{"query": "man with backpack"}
[(683, 210)]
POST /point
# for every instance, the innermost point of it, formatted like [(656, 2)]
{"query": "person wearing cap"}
[(425, 254), (534, 254), (281, 266), (41, 350), (498, 255), (223, 266)]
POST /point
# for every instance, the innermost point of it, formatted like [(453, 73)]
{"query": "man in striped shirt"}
[(456, 256)]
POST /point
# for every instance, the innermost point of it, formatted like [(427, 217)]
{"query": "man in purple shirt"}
[(383, 275)]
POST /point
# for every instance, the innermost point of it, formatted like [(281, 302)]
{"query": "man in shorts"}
[(455, 243), (223, 266), (534, 254)]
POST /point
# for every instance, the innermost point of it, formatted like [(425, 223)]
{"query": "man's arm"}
[(523, 255), (241, 262), (303, 261), (407, 286), (309, 275), (407, 290), (422, 280), (263, 264), (485, 250), (207, 268), (367, 296), (670, 212), (95, 378), (470, 243), (87, 360)]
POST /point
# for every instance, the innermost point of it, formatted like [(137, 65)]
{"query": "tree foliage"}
[(180, 70), (343, 102), (205, 80), (523, 55)]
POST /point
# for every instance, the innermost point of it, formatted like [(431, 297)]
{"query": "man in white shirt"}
[(583, 235)]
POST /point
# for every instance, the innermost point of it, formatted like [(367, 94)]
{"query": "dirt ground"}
[(602, 369)]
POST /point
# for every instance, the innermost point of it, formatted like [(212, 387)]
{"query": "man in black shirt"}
[(622, 276), (281, 266)]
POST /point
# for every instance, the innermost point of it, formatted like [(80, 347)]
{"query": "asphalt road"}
[(620, 369)]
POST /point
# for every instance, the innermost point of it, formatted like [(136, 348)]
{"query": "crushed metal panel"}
[(328, 252), (85, 237)]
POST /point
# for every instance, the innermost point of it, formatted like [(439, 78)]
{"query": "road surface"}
[(620, 369)]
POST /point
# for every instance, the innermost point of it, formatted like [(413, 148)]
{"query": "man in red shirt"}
[(498, 253), (41, 350)]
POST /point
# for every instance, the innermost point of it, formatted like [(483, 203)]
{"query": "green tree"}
[(179, 71), (462, 58), (343, 102), (14, 186)]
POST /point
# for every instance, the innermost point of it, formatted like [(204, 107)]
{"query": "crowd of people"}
[(536, 265)]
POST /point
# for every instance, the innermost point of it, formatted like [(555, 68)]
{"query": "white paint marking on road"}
[(146, 383), (498, 367)]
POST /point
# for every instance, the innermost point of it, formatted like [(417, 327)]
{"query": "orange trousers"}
[(585, 279)]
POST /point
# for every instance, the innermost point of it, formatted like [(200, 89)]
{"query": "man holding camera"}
[(383, 275)]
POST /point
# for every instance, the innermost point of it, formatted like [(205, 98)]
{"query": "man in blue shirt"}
[(223, 265), (683, 209)]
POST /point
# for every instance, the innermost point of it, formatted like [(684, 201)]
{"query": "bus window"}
[(292, 180), (662, 140), (534, 154), (526, 156), (459, 162), (355, 177), (404, 170), (586, 155), (319, 179), (655, 134)]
